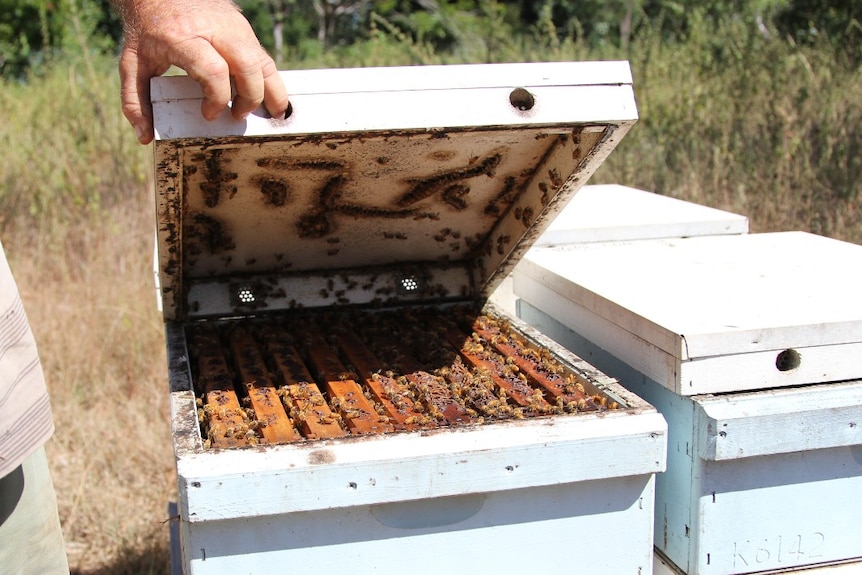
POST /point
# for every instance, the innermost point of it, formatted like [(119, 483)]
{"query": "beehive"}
[(747, 345), (341, 393)]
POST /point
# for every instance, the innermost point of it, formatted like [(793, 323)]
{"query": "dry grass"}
[(749, 124), (87, 286)]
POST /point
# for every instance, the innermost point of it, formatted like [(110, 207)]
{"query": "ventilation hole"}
[(244, 295), (408, 285), (787, 360), (522, 99)]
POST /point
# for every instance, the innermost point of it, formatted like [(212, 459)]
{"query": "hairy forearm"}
[(131, 12), (126, 10)]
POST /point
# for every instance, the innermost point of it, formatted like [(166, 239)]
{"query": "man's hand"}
[(209, 39)]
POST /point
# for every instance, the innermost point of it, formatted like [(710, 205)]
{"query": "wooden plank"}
[(309, 410), (345, 395), (272, 421), (392, 109), (386, 390), (566, 387), (301, 395), (796, 420), (225, 420), (503, 376), (612, 212), (434, 400), (726, 294), (499, 458)]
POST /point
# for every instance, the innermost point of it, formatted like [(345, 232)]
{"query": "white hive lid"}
[(384, 185)]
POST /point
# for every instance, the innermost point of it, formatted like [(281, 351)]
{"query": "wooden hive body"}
[(763, 455), (355, 205)]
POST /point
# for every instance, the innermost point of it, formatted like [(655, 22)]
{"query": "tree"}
[(838, 22), (32, 32)]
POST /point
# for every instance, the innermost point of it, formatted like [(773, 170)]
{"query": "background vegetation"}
[(746, 105)]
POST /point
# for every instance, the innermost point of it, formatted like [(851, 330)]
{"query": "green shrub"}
[(67, 147)]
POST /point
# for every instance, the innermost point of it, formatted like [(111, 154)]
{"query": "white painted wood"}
[(370, 138), (368, 99), (703, 375), (376, 504), (538, 530), (364, 112), (444, 77), (345, 473), (723, 306), (611, 212), (532, 288), (364, 498), (743, 425), (756, 482), (662, 566), (487, 497), (504, 296)]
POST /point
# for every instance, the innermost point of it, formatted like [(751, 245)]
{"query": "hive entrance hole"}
[(521, 99), (787, 360)]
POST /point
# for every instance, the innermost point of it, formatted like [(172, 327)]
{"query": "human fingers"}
[(253, 71), (204, 64), (135, 94), (258, 84), (248, 82), (275, 97)]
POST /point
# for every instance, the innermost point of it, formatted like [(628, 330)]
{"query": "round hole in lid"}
[(521, 99), (787, 360)]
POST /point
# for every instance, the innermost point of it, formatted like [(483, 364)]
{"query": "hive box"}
[(742, 344), (612, 212), (395, 189)]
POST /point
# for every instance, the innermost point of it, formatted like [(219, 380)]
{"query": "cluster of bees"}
[(383, 372), (246, 430)]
